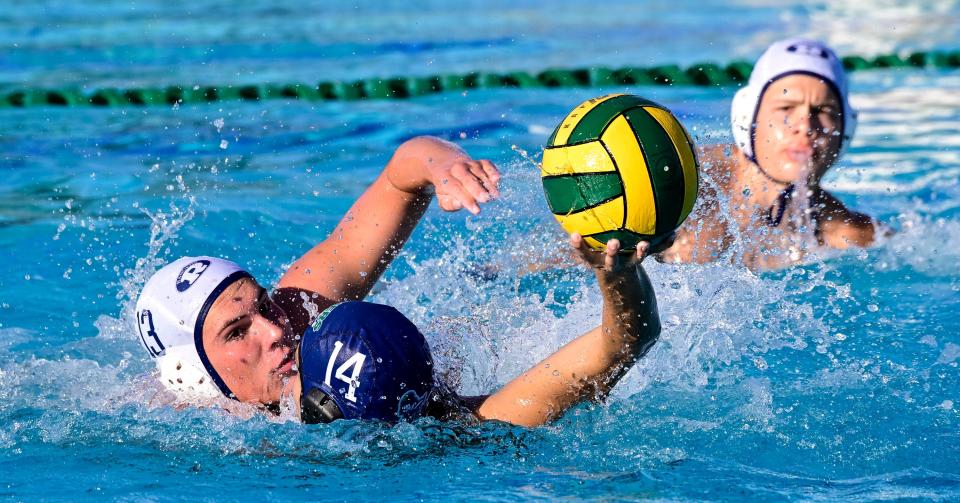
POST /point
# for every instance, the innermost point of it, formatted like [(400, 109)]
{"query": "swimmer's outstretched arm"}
[(346, 265), (589, 366)]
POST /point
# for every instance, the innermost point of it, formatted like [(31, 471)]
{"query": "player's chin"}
[(274, 388), (790, 171)]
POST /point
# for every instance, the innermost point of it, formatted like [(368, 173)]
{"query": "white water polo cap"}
[(170, 314), (789, 57)]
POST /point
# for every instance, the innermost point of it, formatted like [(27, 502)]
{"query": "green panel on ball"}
[(593, 123), (628, 240), (573, 193), (664, 166)]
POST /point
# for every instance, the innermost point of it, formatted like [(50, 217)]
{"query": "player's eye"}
[(237, 334)]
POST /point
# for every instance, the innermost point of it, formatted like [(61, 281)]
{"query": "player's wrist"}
[(621, 283)]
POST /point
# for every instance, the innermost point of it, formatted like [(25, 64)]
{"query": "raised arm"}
[(346, 265), (589, 366)]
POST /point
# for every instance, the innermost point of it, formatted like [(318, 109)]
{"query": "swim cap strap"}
[(784, 198), (198, 329)]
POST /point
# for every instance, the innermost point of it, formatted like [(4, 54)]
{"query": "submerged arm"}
[(590, 365)]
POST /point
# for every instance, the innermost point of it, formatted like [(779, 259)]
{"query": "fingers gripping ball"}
[(620, 166)]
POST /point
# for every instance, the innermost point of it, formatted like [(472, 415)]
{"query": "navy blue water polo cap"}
[(360, 360)]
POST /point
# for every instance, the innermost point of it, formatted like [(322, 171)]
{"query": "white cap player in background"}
[(791, 123)]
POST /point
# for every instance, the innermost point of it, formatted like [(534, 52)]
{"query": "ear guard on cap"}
[(317, 407), (363, 361)]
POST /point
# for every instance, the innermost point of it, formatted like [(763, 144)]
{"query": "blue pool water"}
[(831, 380)]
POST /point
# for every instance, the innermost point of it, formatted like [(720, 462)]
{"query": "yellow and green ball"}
[(620, 166)]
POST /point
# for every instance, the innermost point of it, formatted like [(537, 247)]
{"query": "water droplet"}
[(223, 144), (872, 308), (556, 372), (840, 336), (666, 168)]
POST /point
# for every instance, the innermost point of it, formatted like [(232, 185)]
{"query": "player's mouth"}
[(286, 365), (800, 154)]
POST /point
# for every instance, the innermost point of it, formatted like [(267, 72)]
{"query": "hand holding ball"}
[(620, 166)]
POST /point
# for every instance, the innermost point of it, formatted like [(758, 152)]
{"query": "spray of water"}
[(488, 317)]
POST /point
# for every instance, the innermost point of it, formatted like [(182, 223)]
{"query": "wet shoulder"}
[(841, 227)]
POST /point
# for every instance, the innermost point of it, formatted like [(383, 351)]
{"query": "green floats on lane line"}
[(698, 74)]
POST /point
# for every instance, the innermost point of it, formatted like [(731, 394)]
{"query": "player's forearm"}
[(590, 365), (348, 263), (630, 326), (399, 198), (380, 223)]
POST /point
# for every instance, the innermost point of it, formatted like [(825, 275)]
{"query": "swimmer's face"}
[(249, 342), (798, 128)]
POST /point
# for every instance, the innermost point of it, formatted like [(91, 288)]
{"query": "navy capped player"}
[(214, 331), (176, 308)]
